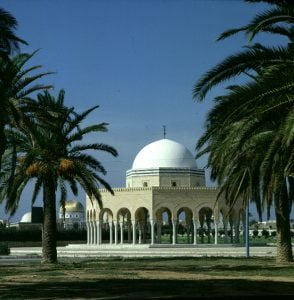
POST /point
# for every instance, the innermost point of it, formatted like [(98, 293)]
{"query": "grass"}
[(147, 278)]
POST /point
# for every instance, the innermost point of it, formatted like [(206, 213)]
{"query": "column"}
[(215, 232), (134, 231), (88, 232), (195, 231), (140, 234), (115, 232), (100, 232), (94, 233), (91, 232), (121, 232), (152, 231), (174, 231), (110, 233)]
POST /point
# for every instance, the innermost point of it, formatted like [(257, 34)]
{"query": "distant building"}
[(30, 220), (73, 215)]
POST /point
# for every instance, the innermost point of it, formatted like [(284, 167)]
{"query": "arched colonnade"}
[(140, 226)]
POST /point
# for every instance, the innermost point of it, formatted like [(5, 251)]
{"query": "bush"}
[(4, 249), (17, 235), (72, 235), (35, 235), (265, 233)]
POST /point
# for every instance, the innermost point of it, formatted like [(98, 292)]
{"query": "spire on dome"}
[(164, 131)]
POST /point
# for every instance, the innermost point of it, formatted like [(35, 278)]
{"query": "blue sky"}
[(138, 60)]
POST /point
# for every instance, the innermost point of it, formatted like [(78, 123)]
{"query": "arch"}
[(123, 214), (123, 217), (104, 224), (184, 225), (106, 215), (142, 218), (163, 210), (141, 214), (205, 219), (164, 230)]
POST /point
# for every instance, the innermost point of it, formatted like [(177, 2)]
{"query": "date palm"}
[(9, 42), (249, 136), (17, 83), (49, 151)]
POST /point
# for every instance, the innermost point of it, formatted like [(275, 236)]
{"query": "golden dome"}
[(72, 206)]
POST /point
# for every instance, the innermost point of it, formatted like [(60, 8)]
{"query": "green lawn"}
[(148, 278)]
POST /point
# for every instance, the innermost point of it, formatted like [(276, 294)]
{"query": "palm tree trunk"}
[(282, 208), (3, 141), (49, 224)]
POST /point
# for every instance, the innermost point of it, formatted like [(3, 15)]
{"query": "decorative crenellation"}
[(185, 188), (128, 189), (154, 188)]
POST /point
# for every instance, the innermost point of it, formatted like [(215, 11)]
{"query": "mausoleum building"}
[(165, 192)]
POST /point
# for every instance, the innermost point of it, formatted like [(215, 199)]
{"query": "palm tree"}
[(9, 42), (249, 136), (16, 86), (49, 152), (274, 20)]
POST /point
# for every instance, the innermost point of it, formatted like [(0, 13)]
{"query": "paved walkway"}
[(150, 251)]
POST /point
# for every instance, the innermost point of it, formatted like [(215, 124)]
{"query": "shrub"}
[(265, 233), (4, 249)]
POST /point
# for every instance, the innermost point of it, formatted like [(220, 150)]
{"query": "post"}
[(115, 232), (110, 233), (174, 222), (247, 231), (134, 231), (215, 232), (88, 232), (195, 231), (98, 232), (152, 231)]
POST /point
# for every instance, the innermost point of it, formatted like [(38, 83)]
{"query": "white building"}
[(164, 185)]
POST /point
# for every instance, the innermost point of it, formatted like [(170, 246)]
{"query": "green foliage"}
[(71, 235), (16, 235), (265, 233), (9, 42), (249, 134), (35, 235)]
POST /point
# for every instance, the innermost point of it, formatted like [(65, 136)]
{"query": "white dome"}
[(26, 218), (164, 154)]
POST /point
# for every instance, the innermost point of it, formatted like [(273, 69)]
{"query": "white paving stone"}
[(146, 251)]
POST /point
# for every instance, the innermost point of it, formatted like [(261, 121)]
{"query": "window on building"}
[(174, 183), (145, 184)]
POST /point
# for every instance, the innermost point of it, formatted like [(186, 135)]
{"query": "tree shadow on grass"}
[(148, 289)]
